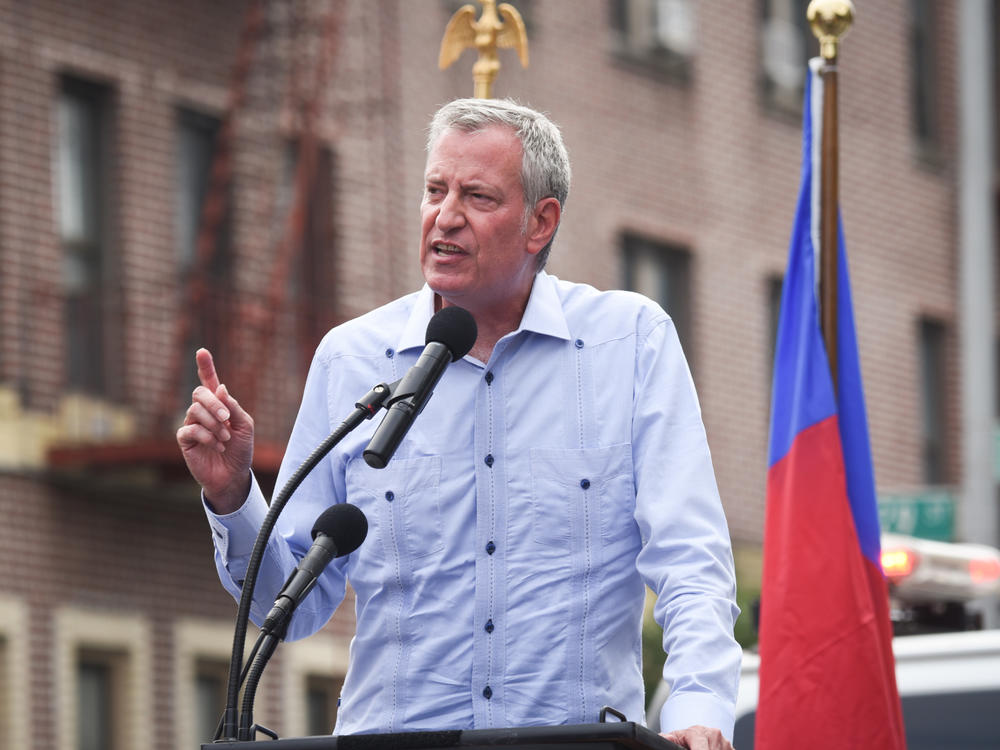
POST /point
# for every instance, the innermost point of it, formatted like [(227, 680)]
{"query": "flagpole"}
[(830, 20)]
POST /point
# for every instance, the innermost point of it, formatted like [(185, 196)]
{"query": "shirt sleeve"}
[(235, 534), (686, 558)]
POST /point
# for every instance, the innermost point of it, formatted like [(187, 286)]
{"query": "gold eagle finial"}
[(486, 34)]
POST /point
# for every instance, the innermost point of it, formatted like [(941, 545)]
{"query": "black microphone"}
[(339, 530), (450, 336)]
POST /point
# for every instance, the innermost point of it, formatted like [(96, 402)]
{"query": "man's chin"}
[(446, 300), (445, 287)]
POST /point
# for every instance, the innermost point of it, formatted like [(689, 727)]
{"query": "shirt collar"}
[(543, 314), (415, 331)]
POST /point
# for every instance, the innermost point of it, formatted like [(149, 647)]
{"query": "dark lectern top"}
[(626, 735)]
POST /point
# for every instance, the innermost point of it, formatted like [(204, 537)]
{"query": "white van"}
[(949, 686), (948, 682)]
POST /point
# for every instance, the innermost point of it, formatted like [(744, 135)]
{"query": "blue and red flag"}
[(827, 676)]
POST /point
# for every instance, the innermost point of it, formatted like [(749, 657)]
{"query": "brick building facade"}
[(682, 122)]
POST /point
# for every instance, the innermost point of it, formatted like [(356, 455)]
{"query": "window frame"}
[(778, 99), (14, 672), (323, 656), (932, 354), (91, 313), (123, 640), (675, 265), (651, 54)]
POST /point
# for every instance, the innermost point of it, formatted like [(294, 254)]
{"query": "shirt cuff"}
[(234, 533), (686, 710)]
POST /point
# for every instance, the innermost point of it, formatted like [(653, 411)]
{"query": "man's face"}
[(474, 251)]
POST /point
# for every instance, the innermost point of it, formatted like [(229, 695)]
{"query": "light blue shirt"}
[(501, 582)]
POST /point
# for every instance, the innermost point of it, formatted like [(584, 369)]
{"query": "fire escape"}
[(275, 100)]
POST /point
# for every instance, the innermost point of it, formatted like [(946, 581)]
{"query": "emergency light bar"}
[(921, 570)]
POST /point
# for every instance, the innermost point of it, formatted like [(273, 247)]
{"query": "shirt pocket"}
[(569, 486), (404, 498)]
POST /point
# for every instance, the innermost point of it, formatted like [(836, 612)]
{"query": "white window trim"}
[(15, 694), (320, 655), (197, 639), (77, 629)]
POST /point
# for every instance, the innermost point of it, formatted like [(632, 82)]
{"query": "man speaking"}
[(561, 465)]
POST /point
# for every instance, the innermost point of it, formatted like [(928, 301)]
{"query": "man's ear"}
[(542, 224)]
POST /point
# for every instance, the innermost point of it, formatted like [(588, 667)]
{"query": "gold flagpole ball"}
[(830, 20)]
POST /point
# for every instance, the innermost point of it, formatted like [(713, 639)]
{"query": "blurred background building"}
[(244, 175)]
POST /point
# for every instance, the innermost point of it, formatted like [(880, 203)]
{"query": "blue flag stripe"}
[(802, 393)]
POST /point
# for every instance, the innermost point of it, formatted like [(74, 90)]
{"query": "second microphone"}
[(450, 336)]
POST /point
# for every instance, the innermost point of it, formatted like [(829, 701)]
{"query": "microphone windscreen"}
[(455, 328), (346, 526)]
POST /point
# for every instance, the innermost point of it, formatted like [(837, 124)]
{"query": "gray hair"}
[(545, 171)]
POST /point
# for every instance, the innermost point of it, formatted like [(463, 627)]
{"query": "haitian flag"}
[(827, 676)]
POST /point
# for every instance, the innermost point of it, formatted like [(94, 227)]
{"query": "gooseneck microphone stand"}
[(268, 642), (365, 409)]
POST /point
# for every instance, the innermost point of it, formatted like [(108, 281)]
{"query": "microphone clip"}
[(379, 396)]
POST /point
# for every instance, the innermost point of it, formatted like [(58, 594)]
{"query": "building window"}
[(314, 276), (311, 274), (197, 136), (95, 701), (202, 650), (314, 674), (82, 172), (658, 33), (210, 685), (775, 286), (102, 680), (662, 272), (322, 694), (923, 76), (786, 44), (196, 142), (932, 399)]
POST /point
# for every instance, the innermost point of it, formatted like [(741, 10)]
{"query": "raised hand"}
[(216, 440)]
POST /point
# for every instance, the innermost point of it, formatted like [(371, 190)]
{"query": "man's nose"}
[(450, 213)]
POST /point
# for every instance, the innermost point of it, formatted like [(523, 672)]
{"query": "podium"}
[(626, 735)]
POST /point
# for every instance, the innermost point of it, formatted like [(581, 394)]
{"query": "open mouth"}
[(446, 249)]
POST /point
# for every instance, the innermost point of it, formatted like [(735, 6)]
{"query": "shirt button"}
[(489, 459), (487, 692), (585, 483), (390, 496), (389, 353), (578, 343), (489, 378), (489, 626), (490, 548)]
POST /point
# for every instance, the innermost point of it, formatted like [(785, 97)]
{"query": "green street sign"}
[(928, 513)]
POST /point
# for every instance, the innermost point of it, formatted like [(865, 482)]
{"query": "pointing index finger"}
[(206, 370)]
